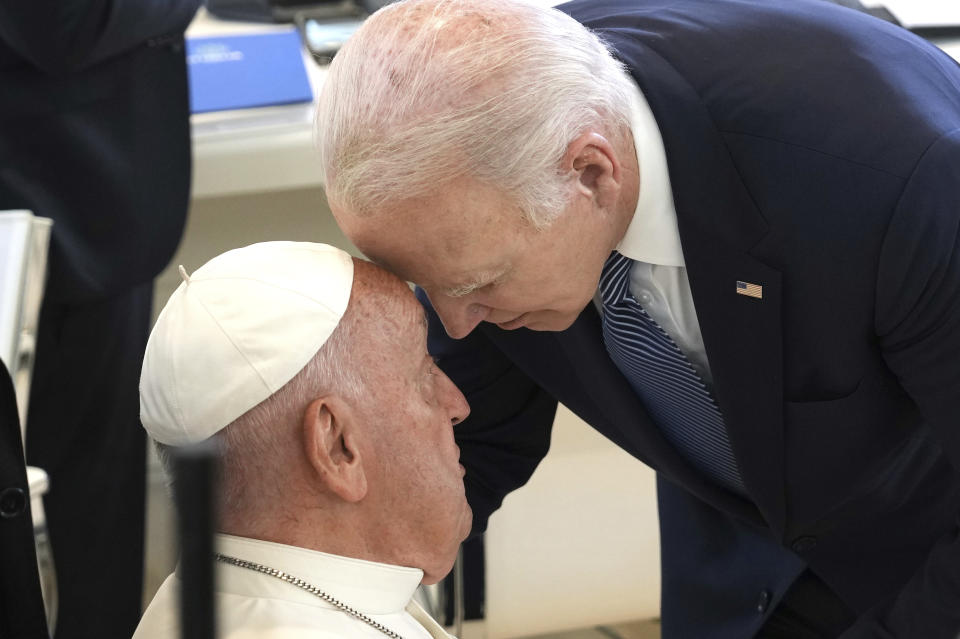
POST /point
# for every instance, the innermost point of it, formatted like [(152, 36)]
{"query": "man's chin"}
[(545, 321), (554, 323)]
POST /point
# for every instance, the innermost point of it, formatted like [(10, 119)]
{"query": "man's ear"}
[(594, 162), (330, 444)]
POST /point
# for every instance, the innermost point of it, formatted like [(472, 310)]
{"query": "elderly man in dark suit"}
[(724, 233), (94, 133)]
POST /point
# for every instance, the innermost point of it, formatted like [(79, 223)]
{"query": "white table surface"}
[(253, 150)]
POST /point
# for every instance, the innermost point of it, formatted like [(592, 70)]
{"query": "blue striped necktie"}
[(676, 397)]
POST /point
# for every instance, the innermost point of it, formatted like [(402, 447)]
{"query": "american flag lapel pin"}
[(749, 289)]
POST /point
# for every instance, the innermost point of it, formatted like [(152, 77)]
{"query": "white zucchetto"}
[(235, 331)]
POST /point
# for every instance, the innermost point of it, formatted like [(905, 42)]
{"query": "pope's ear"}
[(591, 158), (331, 447)]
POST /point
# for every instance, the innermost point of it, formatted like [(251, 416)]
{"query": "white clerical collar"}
[(369, 587), (652, 236)]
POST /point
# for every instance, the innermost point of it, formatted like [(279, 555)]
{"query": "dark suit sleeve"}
[(918, 324), (508, 430), (63, 36), (21, 602)]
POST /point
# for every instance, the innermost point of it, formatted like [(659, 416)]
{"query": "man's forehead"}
[(417, 263), (444, 243), (455, 278)]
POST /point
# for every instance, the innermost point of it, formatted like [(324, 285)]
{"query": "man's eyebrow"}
[(460, 290)]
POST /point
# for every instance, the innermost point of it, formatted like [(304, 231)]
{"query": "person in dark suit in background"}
[(94, 133), (21, 602), (726, 237)]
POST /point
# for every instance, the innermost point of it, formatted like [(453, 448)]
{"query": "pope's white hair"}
[(252, 443), (428, 91)]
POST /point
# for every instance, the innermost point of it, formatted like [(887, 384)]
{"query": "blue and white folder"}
[(245, 71)]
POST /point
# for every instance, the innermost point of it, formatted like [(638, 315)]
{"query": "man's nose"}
[(458, 315)]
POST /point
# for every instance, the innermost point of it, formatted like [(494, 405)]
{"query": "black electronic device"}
[(292, 10), (323, 38), (324, 26)]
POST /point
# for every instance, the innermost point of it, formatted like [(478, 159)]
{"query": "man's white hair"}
[(428, 91)]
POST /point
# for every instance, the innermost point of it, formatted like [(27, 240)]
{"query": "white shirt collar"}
[(652, 236), (370, 587)]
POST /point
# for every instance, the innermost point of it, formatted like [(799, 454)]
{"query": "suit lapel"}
[(719, 224), (743, 343), (613, 395), (601, 395)]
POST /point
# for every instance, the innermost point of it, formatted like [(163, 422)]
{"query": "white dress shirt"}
[(658, 279), (253, 605)]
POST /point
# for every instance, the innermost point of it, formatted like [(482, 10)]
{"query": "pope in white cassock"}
[(309, 370)]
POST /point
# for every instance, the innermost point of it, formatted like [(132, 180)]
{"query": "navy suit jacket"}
[(815, 151), (95, 134), (22, 614)]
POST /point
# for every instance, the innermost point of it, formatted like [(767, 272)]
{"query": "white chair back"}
[(24, 239)]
